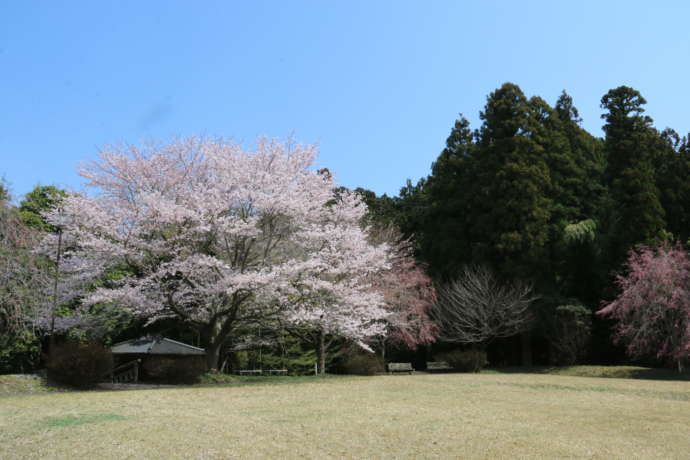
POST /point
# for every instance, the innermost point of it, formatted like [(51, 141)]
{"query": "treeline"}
[(533, 196)]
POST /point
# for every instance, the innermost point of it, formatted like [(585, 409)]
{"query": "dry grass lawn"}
[(418, 416)]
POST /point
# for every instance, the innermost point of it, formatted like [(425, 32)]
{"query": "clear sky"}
[(377, 84)]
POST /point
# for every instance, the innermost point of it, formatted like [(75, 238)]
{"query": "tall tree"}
[(217, 237), (672, 172), (630, 175), (444, 237), (579, 198), (510, 208)]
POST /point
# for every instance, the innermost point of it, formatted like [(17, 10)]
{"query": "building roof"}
[(156, 346)]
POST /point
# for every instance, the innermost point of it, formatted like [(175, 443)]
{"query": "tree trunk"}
[(681, 366), (213, 355), (321, 352), (526, 346)]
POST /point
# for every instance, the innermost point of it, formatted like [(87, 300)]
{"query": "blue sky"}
[(377, 84)]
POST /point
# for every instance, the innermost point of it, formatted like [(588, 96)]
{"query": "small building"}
[(160, 359)]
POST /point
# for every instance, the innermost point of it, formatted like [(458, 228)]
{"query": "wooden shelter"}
[(158, 359)]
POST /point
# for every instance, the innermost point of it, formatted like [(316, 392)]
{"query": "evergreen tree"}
[(637, 213), (40, 200), (446, 243), (510, 209), (672, 174), (579, 196)]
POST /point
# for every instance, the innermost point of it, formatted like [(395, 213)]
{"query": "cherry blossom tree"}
[(408, 292), (219, 237), (653, 308)]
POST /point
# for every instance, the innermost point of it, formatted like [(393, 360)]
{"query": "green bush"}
[(20, 352), (215, 377), (464, 360), (363, 364), (79, 365)]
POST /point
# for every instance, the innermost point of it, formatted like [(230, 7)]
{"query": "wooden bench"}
[(438, 366), (250, 372), (400, 367), (263, 372), (277, 372)]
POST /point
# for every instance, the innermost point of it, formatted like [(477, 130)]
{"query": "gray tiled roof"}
[(156, 346)]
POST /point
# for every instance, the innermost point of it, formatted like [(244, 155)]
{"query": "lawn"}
[(419, 416)]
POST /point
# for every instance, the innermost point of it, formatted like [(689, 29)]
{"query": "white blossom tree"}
[(217, 237)]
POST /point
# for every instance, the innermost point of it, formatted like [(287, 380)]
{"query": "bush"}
[(215, 377), (464, 360), (363, 364), (79, 365), (570, 331), (173, 370), (20, 352)]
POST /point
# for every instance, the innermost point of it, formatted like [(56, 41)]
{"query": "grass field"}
[(420, 416)]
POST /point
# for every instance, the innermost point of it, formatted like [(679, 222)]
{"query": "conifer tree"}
[(447, 245), (510, 207), (630, 175)]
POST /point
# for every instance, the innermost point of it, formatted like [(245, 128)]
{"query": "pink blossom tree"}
[(219, 237), (653, 308), (408, 293)]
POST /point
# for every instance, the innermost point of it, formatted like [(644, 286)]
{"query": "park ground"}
[(487, 415)]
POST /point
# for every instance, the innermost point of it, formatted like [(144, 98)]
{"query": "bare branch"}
[(477, 308)]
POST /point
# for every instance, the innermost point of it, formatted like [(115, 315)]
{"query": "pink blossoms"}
[(653, 308)]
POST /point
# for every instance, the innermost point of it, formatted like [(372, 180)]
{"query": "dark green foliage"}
[(78, 364), (537, 198), (444, 236), (510, 207), (363, 364), (464, 360), (672, 177), (20, 351), (631, 147), (23, 279), (382, 210), (41, 199), (569, 330)]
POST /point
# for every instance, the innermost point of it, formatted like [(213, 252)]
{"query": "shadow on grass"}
[(85, 419), (234, 380), (619, 372)]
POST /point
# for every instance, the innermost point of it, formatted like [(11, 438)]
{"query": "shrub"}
[(80, 365), (464, 360), (173, 370), (570, 331), (215, 377), (363, 364)]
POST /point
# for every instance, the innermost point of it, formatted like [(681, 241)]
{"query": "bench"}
[(400, 367), (263, 372), (433, 366), (250, 372), (277, 372)]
